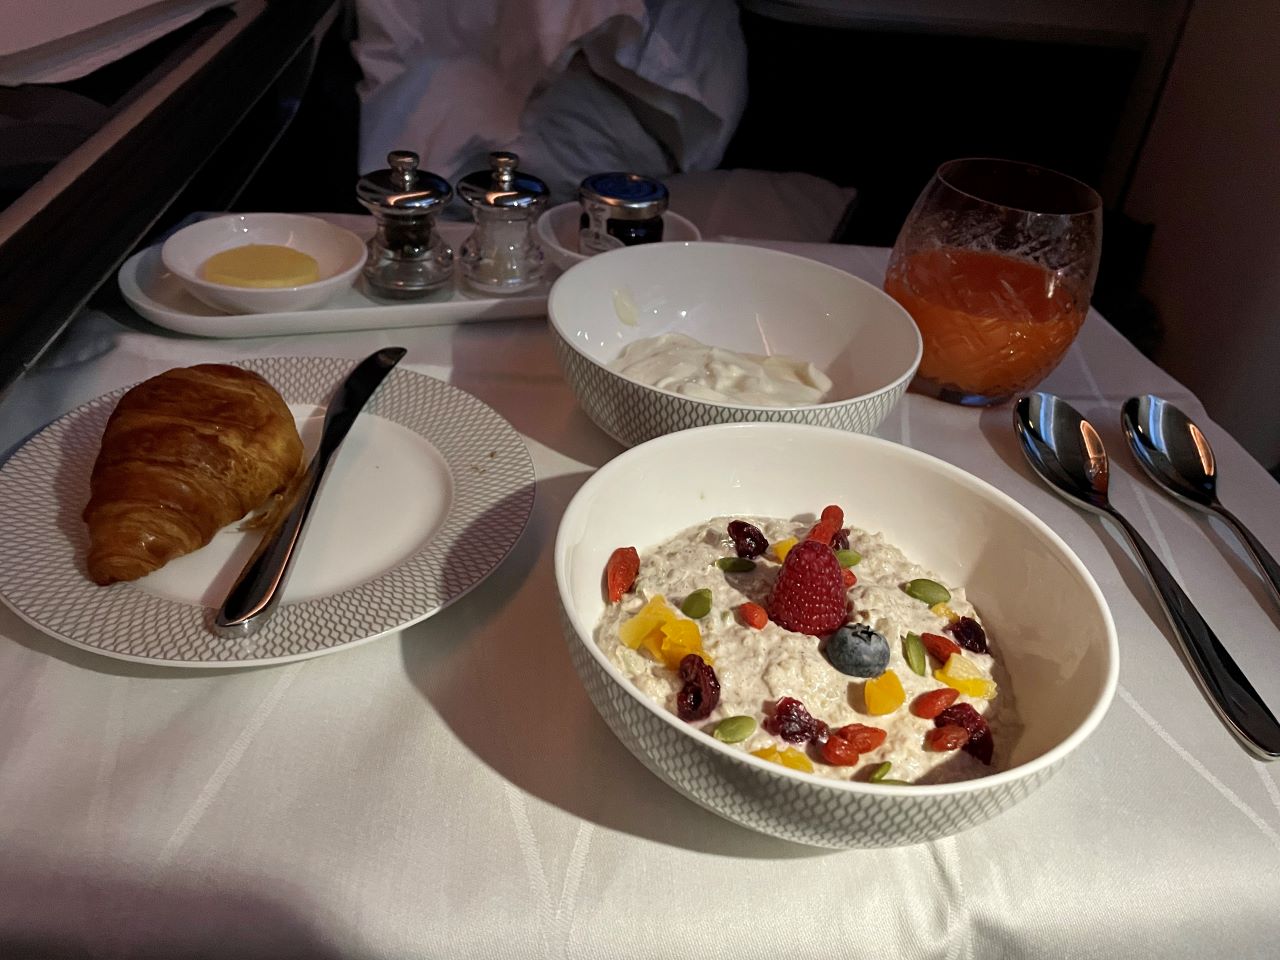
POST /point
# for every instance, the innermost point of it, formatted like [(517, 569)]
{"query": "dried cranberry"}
[(792, 722), (969, 634), (701, 690), (748, 541), (840, 540), (980, 742)]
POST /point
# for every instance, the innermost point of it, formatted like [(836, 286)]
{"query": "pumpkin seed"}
[(848, 558), (927, 591), (913, 651), (735, 729), (879, 774), (737, 565), (697, 604)]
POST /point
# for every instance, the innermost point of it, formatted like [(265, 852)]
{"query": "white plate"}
[(427, 495), (158, 295)]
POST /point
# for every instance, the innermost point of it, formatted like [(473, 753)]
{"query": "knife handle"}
[(254, 597)]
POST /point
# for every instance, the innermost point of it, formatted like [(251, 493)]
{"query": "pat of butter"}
[(261, 265)]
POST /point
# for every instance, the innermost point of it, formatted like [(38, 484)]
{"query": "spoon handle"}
[(1228, 688), (1267, 563)]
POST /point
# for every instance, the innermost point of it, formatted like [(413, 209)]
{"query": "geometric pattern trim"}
[(632, 414), (776, 801), (43, 542)]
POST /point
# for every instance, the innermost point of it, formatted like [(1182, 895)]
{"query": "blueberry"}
[(857, 650)]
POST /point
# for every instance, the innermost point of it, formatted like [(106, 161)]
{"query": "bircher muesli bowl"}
[(740, 298), (1019, 634)]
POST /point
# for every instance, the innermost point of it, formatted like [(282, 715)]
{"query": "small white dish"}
[(339, 254), (558, 233), (1055, 634), (747, 299)]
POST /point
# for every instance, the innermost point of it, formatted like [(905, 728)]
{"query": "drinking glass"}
[(996, 264)]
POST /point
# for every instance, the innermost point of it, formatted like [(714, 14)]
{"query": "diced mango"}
[(783, 547), (944, 611), (790, 757), (884, 694), (663, 634), (961, 674)]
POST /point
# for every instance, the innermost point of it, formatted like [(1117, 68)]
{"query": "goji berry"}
[(950, 737), (929, 705), (839, 752), (850, 578), (863, 738), (620, 572), (939, 647), (753, 615), (834, 514)]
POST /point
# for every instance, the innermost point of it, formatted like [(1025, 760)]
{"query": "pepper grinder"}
[(501, 255), (407, 257)]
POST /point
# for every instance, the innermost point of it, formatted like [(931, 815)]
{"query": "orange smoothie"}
[(992, 325)]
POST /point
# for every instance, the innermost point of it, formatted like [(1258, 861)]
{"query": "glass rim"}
[(1091, 199)]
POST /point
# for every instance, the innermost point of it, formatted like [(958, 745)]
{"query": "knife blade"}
[(256, 593)]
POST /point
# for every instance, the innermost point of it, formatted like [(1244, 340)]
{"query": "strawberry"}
[(809, 594)]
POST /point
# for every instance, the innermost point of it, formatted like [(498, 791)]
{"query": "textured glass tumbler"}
[(996, 264)]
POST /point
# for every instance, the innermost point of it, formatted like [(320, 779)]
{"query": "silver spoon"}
[(1067, 453), (1176, 455)]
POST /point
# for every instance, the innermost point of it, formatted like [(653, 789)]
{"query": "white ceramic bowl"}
[(1055, 634), (557, 231), (339, 253), (743, 298)]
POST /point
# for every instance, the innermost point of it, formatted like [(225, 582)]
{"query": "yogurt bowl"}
[(749, 300), (1043, 611)]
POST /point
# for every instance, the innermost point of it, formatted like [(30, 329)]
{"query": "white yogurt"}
[(757, 667), (683, 365)]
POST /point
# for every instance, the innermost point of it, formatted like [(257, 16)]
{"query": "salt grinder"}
[(501, 255), (407, 257)]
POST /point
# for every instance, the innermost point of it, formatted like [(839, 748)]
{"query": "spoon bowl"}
[(1171, 449), (1174, 453), (1064, 449), (1066, 452)]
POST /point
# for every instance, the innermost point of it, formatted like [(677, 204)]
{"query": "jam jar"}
[(619, 210), (501, 255), (407, 257)]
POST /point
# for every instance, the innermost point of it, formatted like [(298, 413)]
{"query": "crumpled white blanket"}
[(574, 86)]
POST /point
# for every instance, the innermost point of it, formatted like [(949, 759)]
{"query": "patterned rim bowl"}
[(1045, 614), (748, 299)]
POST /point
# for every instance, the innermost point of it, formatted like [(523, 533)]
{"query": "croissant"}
[(183, 455)]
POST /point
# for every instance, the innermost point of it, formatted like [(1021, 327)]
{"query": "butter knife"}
[(256, 593)]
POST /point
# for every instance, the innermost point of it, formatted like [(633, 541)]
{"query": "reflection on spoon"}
[(1176, 455), (1067, 453)]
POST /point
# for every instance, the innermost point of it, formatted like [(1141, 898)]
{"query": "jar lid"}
[(502, 185), (403, 189), (628, 196)]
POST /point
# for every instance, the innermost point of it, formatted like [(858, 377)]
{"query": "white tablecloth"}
[(449, 791)]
